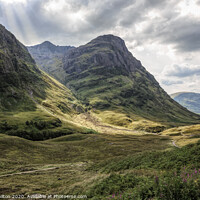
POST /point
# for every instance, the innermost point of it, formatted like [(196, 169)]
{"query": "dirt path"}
[(174, 144), (29, 172)]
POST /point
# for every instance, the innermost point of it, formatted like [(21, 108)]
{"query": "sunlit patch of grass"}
[(183, 130), (148, 126), (183, 135), (115, 118)]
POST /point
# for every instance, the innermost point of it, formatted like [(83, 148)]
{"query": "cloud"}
[(183, 33), (198, 2), (171, 82), (76, 21), (159, 33), (181, 71)]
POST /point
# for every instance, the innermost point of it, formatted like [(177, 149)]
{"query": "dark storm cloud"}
[(137, 12), (105, 16), (183, 33), (108, 13), (182, 71)]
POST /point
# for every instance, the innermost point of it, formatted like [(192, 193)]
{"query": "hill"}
[(104, 75), (190, 100), (30, 100), (48, 56)]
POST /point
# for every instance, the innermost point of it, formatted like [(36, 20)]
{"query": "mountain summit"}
[(48, 56)]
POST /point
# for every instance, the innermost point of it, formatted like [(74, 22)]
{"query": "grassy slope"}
[(53, 101), (31, 102), (58, 103), (72, 154), (96, 165)]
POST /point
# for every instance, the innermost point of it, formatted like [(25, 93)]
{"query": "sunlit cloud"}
[(13, 1)]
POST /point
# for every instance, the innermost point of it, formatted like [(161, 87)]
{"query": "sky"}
[(163, 34)]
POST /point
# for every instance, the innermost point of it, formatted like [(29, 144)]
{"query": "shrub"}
[(184, 186)]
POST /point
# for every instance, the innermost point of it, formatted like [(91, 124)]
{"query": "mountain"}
[(20, 78), (27, 93), (104, 75), (190, 100), (49, 56)]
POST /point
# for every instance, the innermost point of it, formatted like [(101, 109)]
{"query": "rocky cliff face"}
[(106, 76), (107, 50), (190, 100), (48, 56)]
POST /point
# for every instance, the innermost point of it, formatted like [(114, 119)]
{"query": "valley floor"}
[(59, 166), (113, 161)]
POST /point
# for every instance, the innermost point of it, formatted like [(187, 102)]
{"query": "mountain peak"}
[(47, 43), (47, 55), (110, 39)]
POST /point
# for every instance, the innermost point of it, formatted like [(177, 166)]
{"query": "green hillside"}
[(105, 76), (32, 104)]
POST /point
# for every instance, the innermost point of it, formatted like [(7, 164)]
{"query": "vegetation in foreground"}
[(165, 175), (37, 125), (101, 166), (71, 156)]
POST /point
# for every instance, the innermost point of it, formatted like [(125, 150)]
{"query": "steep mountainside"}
[(18, 74), (26, 93), (105, 75), (49, 56), (20, 79), (190, 100)]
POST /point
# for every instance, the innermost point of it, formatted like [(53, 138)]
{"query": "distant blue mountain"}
[(190, 100)]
